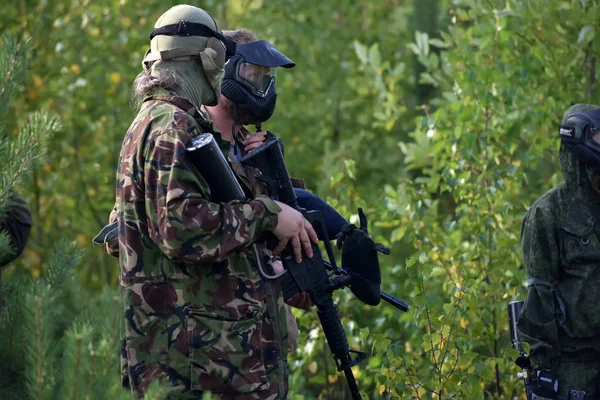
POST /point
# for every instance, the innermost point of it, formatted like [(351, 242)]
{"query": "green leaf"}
[(447, 308), (374, 56), (412, 260), (422, 39), (382, 379), (437, 43), (361, 51), (586, 34)]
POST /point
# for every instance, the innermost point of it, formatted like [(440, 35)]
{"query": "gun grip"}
[(298, 278)]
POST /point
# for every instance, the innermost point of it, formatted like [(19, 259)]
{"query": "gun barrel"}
[(210, 162), (402, 306), (338, 343), (514, 310)]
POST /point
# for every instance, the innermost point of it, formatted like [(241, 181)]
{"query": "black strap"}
[(194, 29)]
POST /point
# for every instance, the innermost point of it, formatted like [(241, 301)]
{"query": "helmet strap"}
[(184, 28)]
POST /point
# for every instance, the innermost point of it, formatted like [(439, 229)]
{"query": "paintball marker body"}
[(310, 275)]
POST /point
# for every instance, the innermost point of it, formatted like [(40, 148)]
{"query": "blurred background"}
[(438, 117)]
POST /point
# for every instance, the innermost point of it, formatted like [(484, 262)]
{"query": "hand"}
[(300, 300), (277, 265), (254, 141), (292, 226)]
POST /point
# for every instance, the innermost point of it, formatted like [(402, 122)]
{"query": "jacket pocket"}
[(580, 252), (226, 355), (580, 277)]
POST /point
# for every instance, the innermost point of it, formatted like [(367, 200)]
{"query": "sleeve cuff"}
[(268, 219)]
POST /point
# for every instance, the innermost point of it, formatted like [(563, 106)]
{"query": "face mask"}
[(583, 141), (249, 81)]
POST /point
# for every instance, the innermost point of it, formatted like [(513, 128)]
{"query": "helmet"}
[(249, 80), (186, 33)]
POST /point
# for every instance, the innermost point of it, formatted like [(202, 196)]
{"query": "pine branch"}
[(79, 335), (91, 375), (113, 328), (13, 68), (26, 150), (77, 365), (40, 357)]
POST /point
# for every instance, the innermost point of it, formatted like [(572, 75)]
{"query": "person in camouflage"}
[(222, 116), (561, 248), (198, 315)]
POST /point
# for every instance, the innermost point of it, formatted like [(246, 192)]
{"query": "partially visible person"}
[(561, 248), (17, 224)]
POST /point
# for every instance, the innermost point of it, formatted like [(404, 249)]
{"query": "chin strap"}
[(236, 152)]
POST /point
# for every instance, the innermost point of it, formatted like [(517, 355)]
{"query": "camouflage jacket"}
[(561, 248), (197, 313)]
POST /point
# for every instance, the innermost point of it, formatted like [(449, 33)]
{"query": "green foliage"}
[(61, 342), (437, 117), (479, 155)]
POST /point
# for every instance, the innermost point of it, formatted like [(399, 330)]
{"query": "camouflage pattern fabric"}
[(248, 177), (560, 243), (198, 315)]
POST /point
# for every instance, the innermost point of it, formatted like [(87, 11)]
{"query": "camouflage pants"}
[(579, 373)]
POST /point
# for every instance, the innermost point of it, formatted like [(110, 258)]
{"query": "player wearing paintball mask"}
[(560, 318), (248, 97)]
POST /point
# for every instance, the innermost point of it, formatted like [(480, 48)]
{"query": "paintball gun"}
[(534, 380), (315, 276)]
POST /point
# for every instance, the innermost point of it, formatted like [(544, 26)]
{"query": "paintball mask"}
[(581, 134), (249, 80)]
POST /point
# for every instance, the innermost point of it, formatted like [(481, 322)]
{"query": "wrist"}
[(269, 217)]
